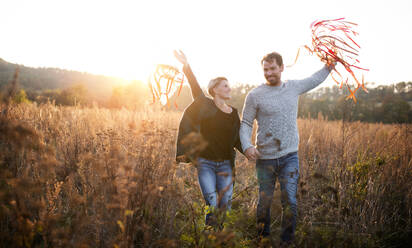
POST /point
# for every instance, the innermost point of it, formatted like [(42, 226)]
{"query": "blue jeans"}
[(215, 180), (285, 168)]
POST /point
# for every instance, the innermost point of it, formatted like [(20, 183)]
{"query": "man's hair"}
[(213, 83), (274, 56)]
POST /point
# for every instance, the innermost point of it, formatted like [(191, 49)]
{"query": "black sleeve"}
[(238, 145), (194, 85)]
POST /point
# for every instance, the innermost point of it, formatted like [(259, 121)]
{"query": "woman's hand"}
[(181, 57)]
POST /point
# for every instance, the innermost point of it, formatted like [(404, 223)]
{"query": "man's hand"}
[(331, 63), (252, 153), (180, 56)]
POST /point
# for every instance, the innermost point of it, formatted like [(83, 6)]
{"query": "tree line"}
[(385, 103)]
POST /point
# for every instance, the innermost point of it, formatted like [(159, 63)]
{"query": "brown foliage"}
[(96, 177)]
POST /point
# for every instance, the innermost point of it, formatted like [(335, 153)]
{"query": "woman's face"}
[(222, 90)]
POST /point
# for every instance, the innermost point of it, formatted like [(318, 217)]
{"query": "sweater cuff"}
[(247, 147)]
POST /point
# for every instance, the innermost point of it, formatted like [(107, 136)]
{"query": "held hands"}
[(182, 159), (180, 56), (252, 153)]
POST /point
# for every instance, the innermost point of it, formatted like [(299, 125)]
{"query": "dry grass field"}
[(94, 177)]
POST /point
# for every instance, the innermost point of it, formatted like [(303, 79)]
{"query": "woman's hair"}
[(213, 83)]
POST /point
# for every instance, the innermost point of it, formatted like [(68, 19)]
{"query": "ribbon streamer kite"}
[(333, 40), (163, 83)]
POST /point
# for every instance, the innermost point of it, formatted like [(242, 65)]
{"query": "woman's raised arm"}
[(194, 85)]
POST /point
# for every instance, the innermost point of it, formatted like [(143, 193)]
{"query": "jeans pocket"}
[(265, 162), (203, 162), (290, 170)]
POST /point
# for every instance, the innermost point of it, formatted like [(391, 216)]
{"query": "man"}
[(275, 106)]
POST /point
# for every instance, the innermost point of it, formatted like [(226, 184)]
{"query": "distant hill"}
[(384, 103), (39, 79)]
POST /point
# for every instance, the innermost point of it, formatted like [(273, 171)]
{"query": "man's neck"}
[(274, 85)]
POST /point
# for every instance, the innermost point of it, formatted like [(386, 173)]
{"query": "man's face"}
[(272, 72)]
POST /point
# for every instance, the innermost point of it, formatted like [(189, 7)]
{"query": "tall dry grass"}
[(93, 177)]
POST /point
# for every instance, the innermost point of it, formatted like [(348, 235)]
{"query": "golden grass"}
[(94, 177)]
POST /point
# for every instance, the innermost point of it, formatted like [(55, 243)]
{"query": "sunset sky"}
[(220, 38)]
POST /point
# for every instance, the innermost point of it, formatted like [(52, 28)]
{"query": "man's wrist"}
[(251, 146)]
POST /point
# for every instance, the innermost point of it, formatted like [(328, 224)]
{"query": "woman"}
[(213, 152)]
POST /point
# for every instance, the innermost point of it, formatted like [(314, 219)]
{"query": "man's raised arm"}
[(304, 85)]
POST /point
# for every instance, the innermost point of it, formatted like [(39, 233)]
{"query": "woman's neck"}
[(221, 104)]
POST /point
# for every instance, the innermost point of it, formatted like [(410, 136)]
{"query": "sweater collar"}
[(282, 84)]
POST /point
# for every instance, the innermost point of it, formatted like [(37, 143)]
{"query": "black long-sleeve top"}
[(219, 129)]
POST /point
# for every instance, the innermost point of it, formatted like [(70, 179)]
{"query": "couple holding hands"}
[(274, 105)]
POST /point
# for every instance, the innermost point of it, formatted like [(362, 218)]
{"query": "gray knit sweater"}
[(275, 108)]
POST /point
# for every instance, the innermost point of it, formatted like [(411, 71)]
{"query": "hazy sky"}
[(220, 38)]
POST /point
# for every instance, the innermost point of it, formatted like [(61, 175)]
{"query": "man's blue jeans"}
[(285, 168), (215, 180)]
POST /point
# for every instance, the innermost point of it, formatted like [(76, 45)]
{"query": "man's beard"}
[(273, 80)]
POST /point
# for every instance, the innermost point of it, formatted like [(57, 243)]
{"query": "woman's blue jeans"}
[(285, 168), (215, 180)]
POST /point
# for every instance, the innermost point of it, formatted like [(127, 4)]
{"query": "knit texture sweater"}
[(275, 108)]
